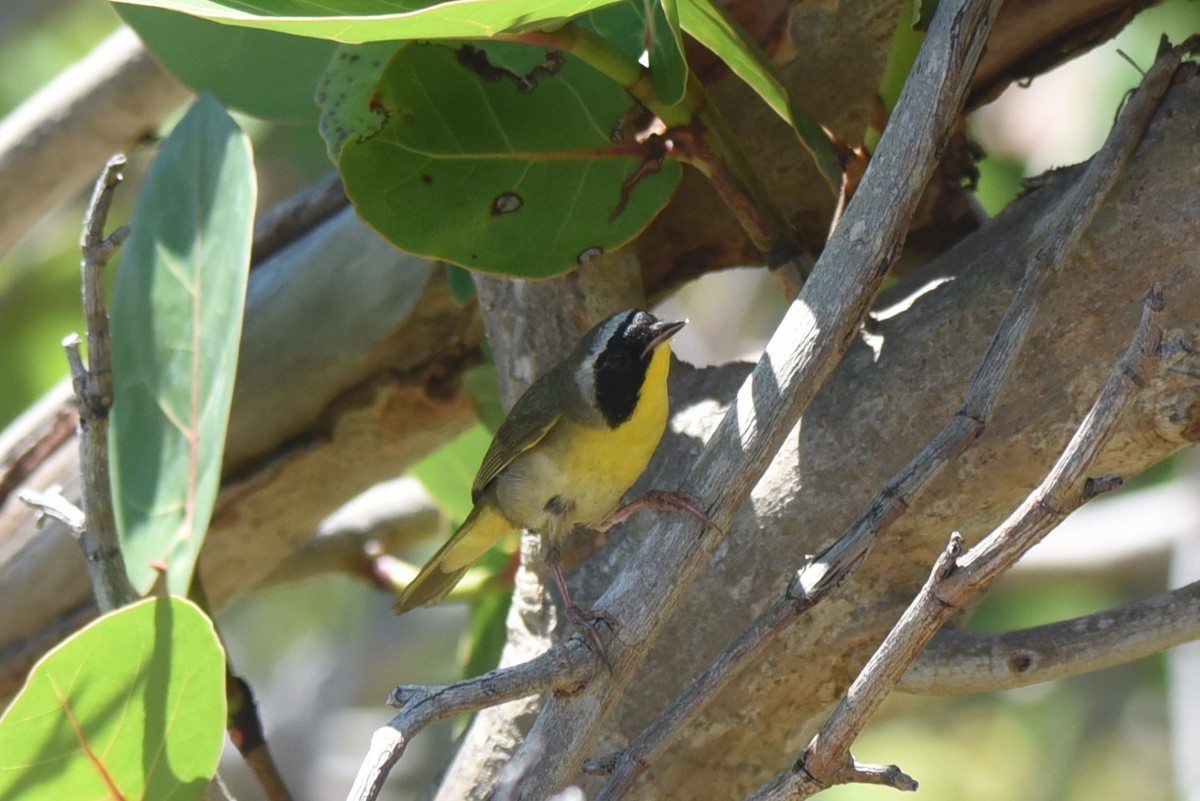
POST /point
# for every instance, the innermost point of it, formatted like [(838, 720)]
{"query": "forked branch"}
[(954, 582)]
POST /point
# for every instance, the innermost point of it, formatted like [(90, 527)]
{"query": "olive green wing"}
[(531, 419)]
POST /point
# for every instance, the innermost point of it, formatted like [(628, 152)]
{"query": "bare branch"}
[(562, 669), (954, 582), (1059, 234), (32, 437), (295, 216), (957, 662), (93, 389)]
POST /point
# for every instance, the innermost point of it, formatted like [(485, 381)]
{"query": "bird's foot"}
[(659, 501), (584, 620)]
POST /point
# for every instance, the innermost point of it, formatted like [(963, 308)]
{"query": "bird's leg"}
[(658, 501), (582, 618)]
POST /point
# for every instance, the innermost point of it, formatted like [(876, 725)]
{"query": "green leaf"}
[(501, 172), (668, 63), (262, 73), (712, 26), (131, 706), (345, 91), (462, 285), (448, 472), (906, 43), (176, 324), (624, 26), (483, 389), (378, 20)]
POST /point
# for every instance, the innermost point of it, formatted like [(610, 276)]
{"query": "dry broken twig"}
[(96, 526), (564, 668)]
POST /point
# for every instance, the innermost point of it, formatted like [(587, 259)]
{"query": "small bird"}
[(571, 447)]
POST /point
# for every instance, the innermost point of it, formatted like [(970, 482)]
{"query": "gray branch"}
[(94, 394), (957, 662), (954, 582), (563, 668)]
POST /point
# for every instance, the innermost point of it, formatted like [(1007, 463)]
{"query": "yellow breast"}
[(578, 473)]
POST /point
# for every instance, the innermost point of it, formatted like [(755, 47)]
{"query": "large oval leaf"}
[(131, 706), (220, 59), (380, 20), (176, 324), (500, 171)]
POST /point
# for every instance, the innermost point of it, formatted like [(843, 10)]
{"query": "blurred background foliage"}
[(328, 651)]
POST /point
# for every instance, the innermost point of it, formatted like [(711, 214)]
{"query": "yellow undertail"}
[(482, 529)]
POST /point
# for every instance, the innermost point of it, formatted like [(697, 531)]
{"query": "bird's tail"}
[(480, 531)]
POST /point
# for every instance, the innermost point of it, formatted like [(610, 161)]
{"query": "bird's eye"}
[(617, 360)]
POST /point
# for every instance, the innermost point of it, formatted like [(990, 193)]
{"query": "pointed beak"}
[(662, 331)]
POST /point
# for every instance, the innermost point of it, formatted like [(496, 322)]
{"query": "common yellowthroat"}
[(572, 445)]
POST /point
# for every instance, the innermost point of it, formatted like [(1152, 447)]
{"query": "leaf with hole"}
[(176, 325), (131, 706), (503, 172)]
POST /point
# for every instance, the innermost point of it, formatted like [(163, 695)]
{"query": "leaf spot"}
[(506, 203)]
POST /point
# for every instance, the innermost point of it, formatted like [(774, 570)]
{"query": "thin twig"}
[(243, 724), (93, 390), (562, 669), (954, 582), (957, 662), (1060, 234), (216, 790), (296, 215)]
